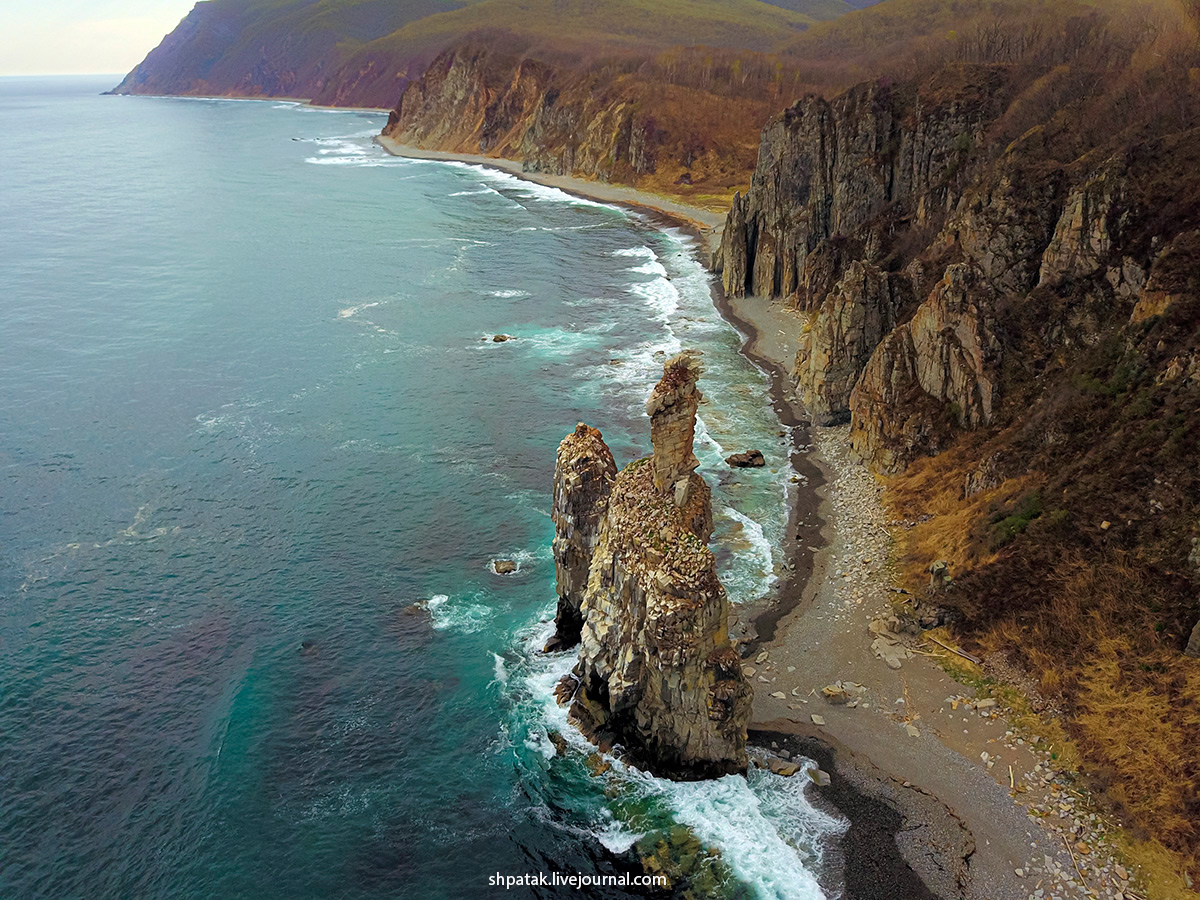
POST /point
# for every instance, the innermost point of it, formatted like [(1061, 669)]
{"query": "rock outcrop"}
[(583, 477), (863, 307), (657, 672), (942, 360), (561, 119), (1193, 646), (828, 167), (1090, 220)]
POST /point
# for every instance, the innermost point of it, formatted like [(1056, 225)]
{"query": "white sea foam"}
[(619, 837), (660, 296), (481, 192), (501, 670), (462, 614), (764, 826), (760, 550), (508, 295), (366, 162), (351, 311), (524, 558), (532, 190), (651, 267), (557, 342), (644, 252)]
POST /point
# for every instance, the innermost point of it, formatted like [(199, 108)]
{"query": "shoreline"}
[(803, 534), (986, 802), (702, 224), (871, 858), (300, 101)]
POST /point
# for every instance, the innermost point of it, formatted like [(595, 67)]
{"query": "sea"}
[(258, 451)]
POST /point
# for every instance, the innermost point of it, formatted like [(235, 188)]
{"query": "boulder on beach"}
[(782, 767), (751, 459), (835, 694)]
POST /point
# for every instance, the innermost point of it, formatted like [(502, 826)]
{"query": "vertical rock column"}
[(657, 672), (672, 409), (583, 477)]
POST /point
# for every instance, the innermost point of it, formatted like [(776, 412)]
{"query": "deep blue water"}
[(256, 455)]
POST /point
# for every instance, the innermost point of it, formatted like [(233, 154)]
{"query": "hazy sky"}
[(41, 37)]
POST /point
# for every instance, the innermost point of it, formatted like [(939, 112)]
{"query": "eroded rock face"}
[(1172, 276), (827, 167), (932, 373), (672, 410), (855, 316), (1090, 221), (1005, 222), (583, 477), (657, 672)]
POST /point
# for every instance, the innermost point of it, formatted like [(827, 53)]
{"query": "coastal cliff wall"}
[(891, 219), (657, 672), (994, 274), (599, 124)]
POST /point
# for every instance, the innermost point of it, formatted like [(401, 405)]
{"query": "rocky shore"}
[(955, 826), (984, 810), (657, 672)]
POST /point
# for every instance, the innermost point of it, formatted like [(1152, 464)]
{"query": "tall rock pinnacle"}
[(583, 477), (657, 672), (672, 410)]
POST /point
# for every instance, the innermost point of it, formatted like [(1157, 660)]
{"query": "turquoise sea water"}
[(255, 458)]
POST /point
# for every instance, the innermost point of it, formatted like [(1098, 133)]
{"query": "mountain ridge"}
[(364, 52)]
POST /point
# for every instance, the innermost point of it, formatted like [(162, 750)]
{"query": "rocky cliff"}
[(657, 673), (994, 269), (562, 118)]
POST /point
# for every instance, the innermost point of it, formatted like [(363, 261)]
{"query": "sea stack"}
[(583, 478), (657, 673)]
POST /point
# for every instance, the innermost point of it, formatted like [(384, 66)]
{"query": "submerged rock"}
[(657, 672)]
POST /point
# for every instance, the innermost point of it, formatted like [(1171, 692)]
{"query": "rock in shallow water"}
[(657, 672), (583, 477), (751, 459)]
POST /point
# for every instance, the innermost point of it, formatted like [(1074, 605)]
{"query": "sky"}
[(76, 37)]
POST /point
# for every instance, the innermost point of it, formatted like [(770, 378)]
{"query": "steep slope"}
[(617, 121), (269, 48), (996, 259), (364, 52)]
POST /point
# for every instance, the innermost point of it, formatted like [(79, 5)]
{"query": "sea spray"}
[(768, 834)]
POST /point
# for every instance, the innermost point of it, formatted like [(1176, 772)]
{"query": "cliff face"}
[(851, 321), (890, 218), (657, 672), (828, 167), (996, 271), (565, 119), (934, 373)]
